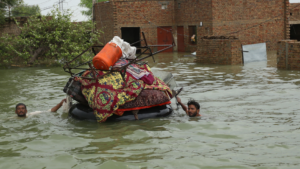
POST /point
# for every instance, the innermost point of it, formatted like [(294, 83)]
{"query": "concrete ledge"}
[(294, 22)]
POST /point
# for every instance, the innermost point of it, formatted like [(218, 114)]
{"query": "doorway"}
[(131, 35), (164, 37)]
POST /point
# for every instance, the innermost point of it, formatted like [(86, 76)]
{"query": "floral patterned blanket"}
[(106, 94)]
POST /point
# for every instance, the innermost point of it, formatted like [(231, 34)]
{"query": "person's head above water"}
[(193, 108), (21, 110)]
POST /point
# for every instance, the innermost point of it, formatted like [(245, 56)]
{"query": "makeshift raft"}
[(83, 112), (129, 85)]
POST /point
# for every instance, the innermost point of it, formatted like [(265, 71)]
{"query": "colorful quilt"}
[(146, 99), (106, 94)]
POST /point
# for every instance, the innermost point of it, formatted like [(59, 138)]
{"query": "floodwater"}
[(250, 120)]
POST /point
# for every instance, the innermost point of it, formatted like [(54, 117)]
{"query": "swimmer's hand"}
[(182, 105), (63, 100), (54, 109)]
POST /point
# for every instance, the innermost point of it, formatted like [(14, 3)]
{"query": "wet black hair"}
[(21, 104), (193, 102)]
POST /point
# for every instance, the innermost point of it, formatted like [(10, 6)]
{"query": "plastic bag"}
[(128, 52), (67, 105)]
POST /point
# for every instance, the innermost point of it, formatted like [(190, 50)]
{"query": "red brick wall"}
[(236, 52), (235, 15), (104, 19), (191, 13), (294, 11), (219, 17), (219, 51), (139, 13), (288, 55)]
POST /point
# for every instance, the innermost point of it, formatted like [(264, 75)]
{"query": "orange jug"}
[(107, 57)]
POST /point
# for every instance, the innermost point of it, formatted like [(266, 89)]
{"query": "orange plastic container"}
[(107, 57)]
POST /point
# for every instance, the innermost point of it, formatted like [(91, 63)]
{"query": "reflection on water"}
[(250, 120)]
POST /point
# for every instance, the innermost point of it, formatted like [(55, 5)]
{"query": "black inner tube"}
[(83, 112)]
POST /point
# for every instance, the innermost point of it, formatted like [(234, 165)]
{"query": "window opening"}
[(164, 4), (193, 35)]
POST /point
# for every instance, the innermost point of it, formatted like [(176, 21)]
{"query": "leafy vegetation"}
[(4, 9), (25, 10), (47, 38), (89, 5)]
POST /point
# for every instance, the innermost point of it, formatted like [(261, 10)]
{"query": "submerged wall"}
[(219, 51), (288, 55)]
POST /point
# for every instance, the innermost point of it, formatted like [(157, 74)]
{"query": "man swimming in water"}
[(193, 108), (21, 109)]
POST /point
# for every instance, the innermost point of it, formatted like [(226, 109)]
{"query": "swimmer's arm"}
[(55, 108), (33, 113), (182, 105)]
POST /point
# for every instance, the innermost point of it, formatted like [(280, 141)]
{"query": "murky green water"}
[(250, 120)]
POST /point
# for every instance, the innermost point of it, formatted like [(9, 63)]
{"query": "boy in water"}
[(21, 109), (193, 108)]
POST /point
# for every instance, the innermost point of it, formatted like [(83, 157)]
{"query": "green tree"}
[(25, 10), (2, 16), (5, 6), (89, 5), (47, 38)]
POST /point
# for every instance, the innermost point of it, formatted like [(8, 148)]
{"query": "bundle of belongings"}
[(109, 94)]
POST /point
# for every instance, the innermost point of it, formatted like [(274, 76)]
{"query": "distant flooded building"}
[(10, 27), (251, 21)]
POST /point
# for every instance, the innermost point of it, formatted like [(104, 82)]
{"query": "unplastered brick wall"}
[(146, 14), (294, 12), (251, 21), (288, 55), (111, 16), (191, 13), (104, 19), (10, 27), (219, 51)]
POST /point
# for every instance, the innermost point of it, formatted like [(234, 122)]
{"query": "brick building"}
[(255, 21), (294, 13), (268, 19), (294, 20), (11, 28)]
